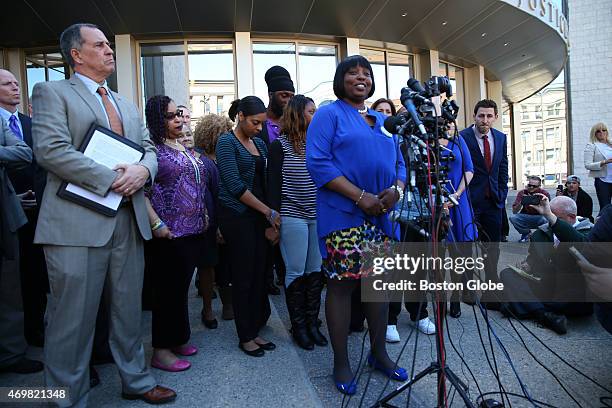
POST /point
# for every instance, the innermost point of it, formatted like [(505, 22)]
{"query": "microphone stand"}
[(438, 367)]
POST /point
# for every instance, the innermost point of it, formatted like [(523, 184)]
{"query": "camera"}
[(427, 161), (531, 200), (437, 85)]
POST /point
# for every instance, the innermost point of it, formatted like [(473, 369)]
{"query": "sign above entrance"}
[(548, 11)]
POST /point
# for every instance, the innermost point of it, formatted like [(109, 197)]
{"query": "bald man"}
[(14, 155), (561, 284), (29, 183)]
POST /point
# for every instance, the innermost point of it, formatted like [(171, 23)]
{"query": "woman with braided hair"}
[(177, 212)]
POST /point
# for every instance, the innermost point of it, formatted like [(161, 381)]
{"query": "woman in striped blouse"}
[(245, 220), (292, 192)]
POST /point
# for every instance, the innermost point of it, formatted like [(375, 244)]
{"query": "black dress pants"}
[(604, 193), (223, 272), (174, 261), (247, 250), (488, 216), (416, 309), (34, 281)]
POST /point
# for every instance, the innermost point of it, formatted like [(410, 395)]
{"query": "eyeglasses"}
[(601, 130), (532, 186), (172, 115)]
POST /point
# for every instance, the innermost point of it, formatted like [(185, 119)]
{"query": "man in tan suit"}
[(87, 252)]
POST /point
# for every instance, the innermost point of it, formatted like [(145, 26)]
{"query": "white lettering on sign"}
[(545, 10)]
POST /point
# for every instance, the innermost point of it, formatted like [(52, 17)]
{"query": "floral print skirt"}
[(350, 251)]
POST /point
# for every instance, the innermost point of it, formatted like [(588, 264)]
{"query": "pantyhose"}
[(338, 313)]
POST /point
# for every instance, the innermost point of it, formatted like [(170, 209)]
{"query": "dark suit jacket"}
[(14, 156), (497, 179), (32, 177)]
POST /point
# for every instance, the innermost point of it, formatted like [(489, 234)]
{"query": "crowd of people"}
[(287, 188)]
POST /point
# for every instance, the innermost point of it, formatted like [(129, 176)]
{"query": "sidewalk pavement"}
[(223, 376)]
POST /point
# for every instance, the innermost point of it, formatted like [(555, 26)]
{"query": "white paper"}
[(108, 152)]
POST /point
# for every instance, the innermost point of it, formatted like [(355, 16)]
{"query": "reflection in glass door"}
[(212, 86), (311, 66)]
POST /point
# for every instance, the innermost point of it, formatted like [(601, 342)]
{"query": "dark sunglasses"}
[(532, 186), (172, 115)]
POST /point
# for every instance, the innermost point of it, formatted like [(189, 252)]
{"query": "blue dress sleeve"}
[(466, 157), (319, 142), (401, 165)]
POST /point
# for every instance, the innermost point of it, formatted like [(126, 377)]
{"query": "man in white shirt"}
[(489, 186)]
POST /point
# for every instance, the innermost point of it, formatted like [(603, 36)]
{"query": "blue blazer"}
[(497, 179)]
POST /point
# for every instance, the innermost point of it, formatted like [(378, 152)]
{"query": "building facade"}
[(590, 59), (205, 55), (540, 136)]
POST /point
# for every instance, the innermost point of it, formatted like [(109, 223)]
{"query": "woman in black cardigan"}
[(245, 220)]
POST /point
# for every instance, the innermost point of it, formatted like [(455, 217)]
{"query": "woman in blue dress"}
[(463, 229), (347, 156)]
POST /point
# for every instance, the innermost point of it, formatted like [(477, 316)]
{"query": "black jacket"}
[(584, 202), (276, 156)]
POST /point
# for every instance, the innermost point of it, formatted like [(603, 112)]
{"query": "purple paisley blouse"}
[(176, 195)]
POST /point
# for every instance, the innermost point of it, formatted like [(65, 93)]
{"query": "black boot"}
[(314, 286), (295, 296)]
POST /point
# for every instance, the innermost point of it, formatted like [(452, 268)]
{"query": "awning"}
[(523, 43)]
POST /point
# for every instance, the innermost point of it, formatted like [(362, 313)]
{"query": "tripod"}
[(438, 367), (434, 173)]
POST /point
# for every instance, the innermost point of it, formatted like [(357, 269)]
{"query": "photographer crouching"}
[(524, 218), (549, 279)]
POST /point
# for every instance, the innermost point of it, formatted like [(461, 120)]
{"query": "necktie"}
[(111, 112), (488, 163), (487, 153), (14, 126)]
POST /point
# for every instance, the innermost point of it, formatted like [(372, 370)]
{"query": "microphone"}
[(396, 125), (452, 200), (406, 100), (402, 218), (451, 156), (412, 94), (418, 141), (415, 86)]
